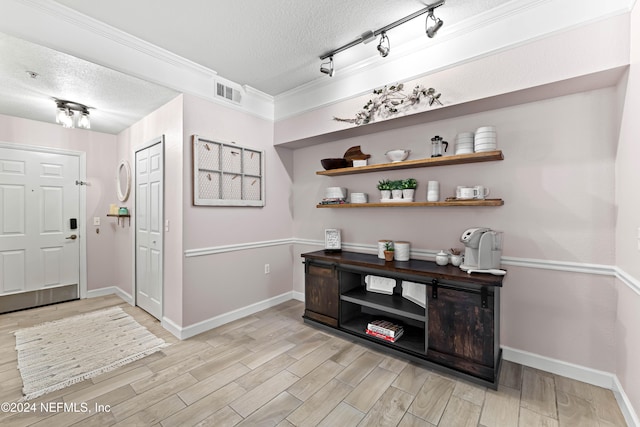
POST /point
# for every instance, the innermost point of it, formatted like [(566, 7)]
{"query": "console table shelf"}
[(457, 330)]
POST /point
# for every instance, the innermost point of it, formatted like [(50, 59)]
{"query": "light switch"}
[(96, 220), (166, 225)]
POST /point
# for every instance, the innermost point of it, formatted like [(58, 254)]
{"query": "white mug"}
[(480, 192), (466, 192)]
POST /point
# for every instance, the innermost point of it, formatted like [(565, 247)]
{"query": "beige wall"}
[(218, 283), (628, 227)]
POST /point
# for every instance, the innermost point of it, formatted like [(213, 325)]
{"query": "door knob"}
[(72, 237)]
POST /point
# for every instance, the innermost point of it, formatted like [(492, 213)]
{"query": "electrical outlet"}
[(267, 269)]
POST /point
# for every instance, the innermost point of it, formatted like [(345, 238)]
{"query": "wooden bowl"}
[(334, 163)]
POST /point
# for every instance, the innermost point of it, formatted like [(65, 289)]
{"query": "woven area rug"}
[(57, 354)]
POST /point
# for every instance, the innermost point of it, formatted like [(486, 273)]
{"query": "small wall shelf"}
[(459, 159), (118, 216), (486, 202)]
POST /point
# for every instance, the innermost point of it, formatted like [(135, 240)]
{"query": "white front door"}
[(39, 198), (149, 222)]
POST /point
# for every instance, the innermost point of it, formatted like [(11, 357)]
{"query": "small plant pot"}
[(388, 255), (407, 193), (385, 194), (396, 194)]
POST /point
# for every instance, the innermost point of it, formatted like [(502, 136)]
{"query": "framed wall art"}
[(227, 174)]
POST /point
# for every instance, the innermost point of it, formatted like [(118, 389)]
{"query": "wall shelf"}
[(118, 216), (459, 159), (485, 202)]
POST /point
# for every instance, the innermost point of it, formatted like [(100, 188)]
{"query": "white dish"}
[(469, 151), (465, 135), (358, 163)]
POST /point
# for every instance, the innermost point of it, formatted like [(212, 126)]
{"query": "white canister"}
[(381, 248), (402, 251), (433, 191)]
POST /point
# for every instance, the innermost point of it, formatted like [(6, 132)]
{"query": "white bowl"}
[(486, 129), (397, 155), (484, 149)]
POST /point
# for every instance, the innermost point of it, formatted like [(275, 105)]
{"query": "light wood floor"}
[(270, 369)]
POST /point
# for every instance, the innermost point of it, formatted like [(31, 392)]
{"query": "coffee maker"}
[(483, 248)]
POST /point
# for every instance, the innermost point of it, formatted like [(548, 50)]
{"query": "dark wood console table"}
[(457, 330)]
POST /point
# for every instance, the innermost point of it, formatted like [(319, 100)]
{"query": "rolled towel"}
[(381, 285)]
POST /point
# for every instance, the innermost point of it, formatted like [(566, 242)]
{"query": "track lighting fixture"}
[(65, 114), (330, 71), (382, 49), (432, 30)]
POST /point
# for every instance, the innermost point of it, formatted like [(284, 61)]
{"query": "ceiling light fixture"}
[(330, 70), (367, 36), (66, 114), (382, 49), (431, 31)]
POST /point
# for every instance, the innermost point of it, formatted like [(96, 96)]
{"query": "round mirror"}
[(124, 180)]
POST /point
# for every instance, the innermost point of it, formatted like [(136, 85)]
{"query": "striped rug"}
[(57, 354)]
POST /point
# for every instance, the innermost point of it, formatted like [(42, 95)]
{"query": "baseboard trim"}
[(111, 290), (298, 296), (206, 325), (630, 415), (577, 372)]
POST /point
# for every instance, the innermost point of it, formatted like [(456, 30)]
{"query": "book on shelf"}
[(385, 327), (383, 336)]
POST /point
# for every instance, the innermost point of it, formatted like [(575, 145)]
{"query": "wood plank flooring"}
[(270, 369)]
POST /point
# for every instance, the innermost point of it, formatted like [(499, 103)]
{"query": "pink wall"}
[(219, 283), (167, 121), (100, 191), (557, 181), (628, 226)]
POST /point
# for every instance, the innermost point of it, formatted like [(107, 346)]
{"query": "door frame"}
[(148, 144), (82, 194)]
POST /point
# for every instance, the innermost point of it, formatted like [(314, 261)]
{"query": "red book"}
[(382, 336)]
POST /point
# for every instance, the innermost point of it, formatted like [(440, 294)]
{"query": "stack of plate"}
[(464, 143), (358, 197), (485, 139)]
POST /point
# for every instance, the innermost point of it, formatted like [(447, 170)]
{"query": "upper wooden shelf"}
[(488, 156), (485, 202)]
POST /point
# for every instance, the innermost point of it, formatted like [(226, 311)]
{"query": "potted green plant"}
[(388, 251), (396, 189), (385, 188), (408, 188)]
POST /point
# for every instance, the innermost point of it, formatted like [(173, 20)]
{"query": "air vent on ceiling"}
[(228, 93)]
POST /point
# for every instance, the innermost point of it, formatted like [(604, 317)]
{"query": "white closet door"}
[(149, 231)]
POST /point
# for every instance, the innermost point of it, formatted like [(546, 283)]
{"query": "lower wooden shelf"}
[(486, 202)]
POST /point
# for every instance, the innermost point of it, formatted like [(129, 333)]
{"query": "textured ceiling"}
[(116, 99), (272, 46)]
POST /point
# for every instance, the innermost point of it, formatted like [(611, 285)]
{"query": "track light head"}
[(328, 70), (431, 31), (66, 114), (382, 49)]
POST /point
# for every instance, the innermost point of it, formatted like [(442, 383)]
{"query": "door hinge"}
[(81, 182)]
